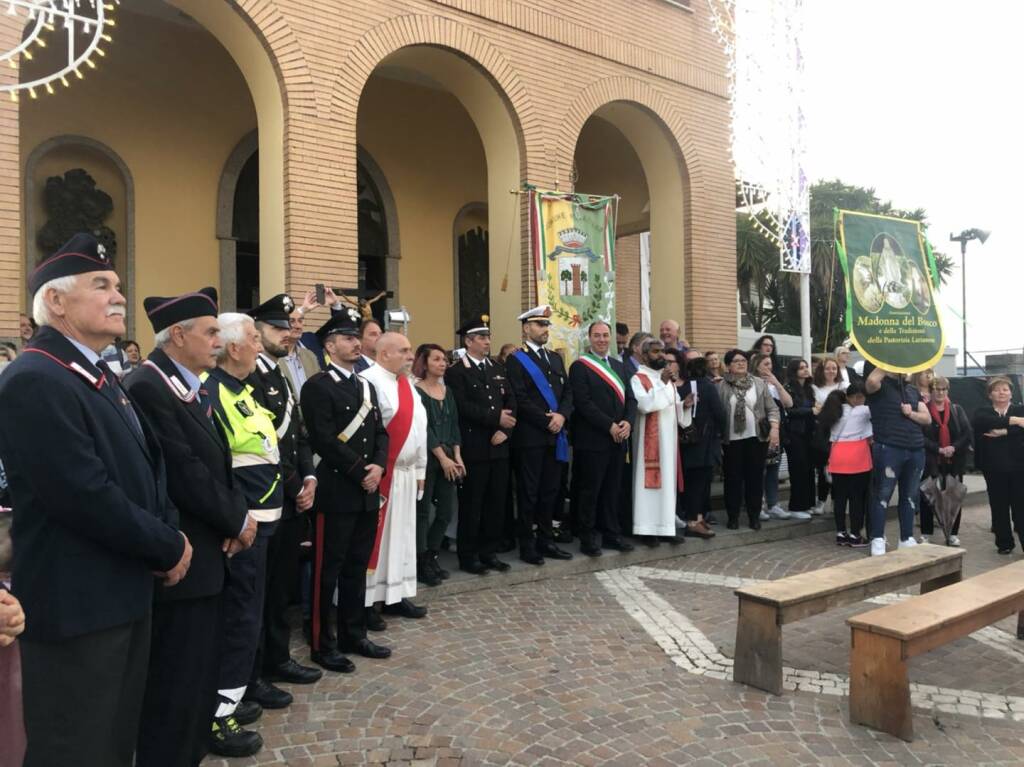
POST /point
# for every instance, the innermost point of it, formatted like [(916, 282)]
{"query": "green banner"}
[(891, 311)]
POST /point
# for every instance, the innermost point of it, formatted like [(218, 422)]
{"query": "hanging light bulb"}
[(49, 89)]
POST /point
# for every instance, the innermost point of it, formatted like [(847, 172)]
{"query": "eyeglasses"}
[(940, 388)]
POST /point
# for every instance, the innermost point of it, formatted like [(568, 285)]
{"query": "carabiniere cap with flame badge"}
[(274, 311)]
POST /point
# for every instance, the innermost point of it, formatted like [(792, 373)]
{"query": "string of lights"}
[(84, 27)]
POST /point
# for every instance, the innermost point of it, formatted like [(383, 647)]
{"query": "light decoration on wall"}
[(761, 39), (84, 26)]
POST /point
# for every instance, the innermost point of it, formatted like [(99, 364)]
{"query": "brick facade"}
[(553, 64)]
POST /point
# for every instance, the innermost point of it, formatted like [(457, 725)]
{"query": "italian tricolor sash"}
[(398, 431), (605, 373)]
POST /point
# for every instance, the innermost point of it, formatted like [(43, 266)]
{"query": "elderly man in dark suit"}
[(347, 431), (92, 521), (181, 693), (540, 445), (602, 418)]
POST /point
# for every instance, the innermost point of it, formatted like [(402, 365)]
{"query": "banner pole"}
[(805, 316)]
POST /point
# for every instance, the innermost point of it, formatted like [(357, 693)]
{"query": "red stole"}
[(652, 447), (398, 432)]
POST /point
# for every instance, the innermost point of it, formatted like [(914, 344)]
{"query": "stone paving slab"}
[(558, 672)]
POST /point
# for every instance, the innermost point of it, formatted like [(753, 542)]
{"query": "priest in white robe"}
[(656, 467), (391, 577)]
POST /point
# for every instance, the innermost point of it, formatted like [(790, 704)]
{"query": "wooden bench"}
[(765, 608), (884, 639)]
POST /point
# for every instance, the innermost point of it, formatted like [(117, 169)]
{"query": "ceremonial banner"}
[(572, 237), (891, 312)]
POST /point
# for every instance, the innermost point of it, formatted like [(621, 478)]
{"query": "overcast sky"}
[(922, 101)]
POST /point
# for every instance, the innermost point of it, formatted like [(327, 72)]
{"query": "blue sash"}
[(544, 387)]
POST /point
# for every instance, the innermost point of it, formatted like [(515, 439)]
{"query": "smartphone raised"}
[(321, 294)]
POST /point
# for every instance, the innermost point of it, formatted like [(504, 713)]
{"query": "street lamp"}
[(963, 238)]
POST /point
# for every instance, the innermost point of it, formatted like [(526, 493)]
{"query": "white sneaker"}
[(680, 523), (818, 510), (799, 514), (777, 512), (924, 539), (908, 543), (763, 516), (954, 541), (877, 547)]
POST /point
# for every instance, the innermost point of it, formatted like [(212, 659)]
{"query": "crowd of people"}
[(169, 511)]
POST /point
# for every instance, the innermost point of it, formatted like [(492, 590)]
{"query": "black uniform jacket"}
[(199, 478), (596, 406), (481, 393), (272, 389), (330, 402), (92, 520), (531, 422)]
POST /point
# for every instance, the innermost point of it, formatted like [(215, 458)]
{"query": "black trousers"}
[(853, 490), (820, 459), (697, 489), (743, 464), (342, 544), (600, 478), (1006, 499), (538, 491), (244, 595), (283, 554), (801, 473), (482, 499), (181, 691), (928, 511), (626, 491), (82, 697)]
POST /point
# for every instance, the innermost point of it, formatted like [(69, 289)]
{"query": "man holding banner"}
[(603, 411), (391, 574), (539, 443), (893, 320)]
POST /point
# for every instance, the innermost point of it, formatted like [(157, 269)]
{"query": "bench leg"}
[(879, 687), (941, 582), (758, 657)]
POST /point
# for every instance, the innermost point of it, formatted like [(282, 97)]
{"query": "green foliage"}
[(770, 299)]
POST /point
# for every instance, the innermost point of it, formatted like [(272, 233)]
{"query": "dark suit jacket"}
[(271, 388), (531, 422), (199, 478), (92, 520), (710, 423), (596, 407), (480, 396), (329, 404)]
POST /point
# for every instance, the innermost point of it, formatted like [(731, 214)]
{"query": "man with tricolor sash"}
[(657, 474), (540, 446), (603, 412), (391, 573)]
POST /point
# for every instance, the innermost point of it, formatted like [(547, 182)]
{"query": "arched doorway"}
[(465, 148), (625, 149)]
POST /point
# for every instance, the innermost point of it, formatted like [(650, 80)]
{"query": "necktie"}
[(110, 381)]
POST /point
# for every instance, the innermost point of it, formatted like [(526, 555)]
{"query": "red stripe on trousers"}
[(318, 566)]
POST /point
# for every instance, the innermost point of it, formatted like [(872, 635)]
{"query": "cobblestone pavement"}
[(606, 669)]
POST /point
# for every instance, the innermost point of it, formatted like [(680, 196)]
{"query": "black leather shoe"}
[(617, 545), (551, 551), (755, 524), (732, 524), (650, 541), (374, 622), (367, 649), (476, 568), (440, 571), (591, 551), (531, 557), (407, 609), (675, 540), (267, 695), (247, 712), (562, 535), (227, 738), (493, 563), (1006, 551), (292, 673), (332, 660)]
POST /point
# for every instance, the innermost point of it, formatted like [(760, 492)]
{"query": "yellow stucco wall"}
[(430, 151), (173, 105)]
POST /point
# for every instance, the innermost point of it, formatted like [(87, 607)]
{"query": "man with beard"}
[(181, 690), (272, 390), (657, 472)]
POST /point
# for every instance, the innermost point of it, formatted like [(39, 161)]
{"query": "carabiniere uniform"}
[(347, 431), (272, 390)]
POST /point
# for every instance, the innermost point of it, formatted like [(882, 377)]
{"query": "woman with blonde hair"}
[(999, 453)]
